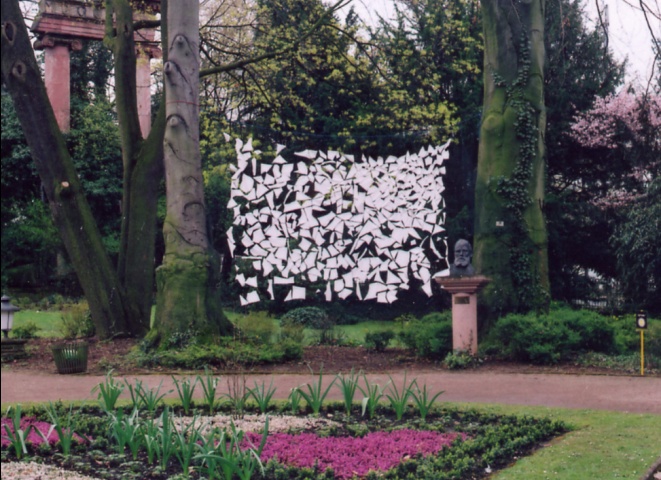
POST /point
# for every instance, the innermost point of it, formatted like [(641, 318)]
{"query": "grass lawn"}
[(603, 445), (356, 333), (49, 326), (48, 322)]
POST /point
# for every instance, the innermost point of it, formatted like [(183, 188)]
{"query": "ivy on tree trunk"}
[(510, 228)]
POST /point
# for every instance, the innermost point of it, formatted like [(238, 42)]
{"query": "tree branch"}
[(140, 24), (266, 56)]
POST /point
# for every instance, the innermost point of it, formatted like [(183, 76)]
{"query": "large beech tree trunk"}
[(510, 229), (187, 300)]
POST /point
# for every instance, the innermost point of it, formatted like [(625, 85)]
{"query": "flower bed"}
[(39, 432), (337, 441), (350, 457)]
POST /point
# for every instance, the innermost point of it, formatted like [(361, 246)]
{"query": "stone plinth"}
[(464, 309)]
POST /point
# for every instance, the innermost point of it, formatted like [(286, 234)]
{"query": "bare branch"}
[(268, 55), (140, 24)]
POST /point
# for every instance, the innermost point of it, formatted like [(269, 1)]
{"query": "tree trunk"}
[(510, 229), (187, 300), (143, 170), (71, 213)]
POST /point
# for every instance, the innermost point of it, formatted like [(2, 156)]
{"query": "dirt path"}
[(620, 393)]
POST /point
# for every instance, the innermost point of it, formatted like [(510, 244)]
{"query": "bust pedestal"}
[(464, 309)]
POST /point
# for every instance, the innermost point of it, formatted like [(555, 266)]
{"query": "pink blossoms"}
[(33, 438), (352, 456)]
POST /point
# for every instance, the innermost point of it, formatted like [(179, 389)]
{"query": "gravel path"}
[(619, 393)]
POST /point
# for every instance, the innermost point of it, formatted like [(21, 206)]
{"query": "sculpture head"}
[(463, 254)]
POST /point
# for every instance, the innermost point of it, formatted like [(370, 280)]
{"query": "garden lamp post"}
[(7, 315)]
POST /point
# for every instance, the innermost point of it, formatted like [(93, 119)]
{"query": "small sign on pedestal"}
[(464, 309)]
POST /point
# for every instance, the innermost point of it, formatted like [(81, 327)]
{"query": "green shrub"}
[(339, 315), (534, 339), (256, 327), (310, 317), (555, 337), (628, 338), (379, 340), (437, 317), (24, 303), (55, 301), (76, 321), (596, 332), (429, 337), (405, 319), (329, 336), (295, 333), (182, 339), (461, 360), (229, 353), (653, 339), (291, 349), (26, 331)]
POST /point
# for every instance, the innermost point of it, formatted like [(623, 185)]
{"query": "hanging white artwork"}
[(362, 226)]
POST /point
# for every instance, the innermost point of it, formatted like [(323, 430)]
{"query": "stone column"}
[(464, 309), (57, 76), (143, 87)]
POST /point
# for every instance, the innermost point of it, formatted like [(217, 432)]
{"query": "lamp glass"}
[(7, 321)]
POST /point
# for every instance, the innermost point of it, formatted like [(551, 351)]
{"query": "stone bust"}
[(463, 254)]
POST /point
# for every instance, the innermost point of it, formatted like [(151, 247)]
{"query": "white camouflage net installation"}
[(360, 227)]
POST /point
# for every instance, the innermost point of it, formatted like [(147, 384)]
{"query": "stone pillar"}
[(57, 76), (143, 87), (464, 309)]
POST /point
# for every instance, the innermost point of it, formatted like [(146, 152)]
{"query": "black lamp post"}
[(7, 315)]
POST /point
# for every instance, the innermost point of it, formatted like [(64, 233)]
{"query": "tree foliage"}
[(624, 129), (578, 70), (392, 89)]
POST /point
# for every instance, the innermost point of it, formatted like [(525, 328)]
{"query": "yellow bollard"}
[(641, 324), (642, 353)]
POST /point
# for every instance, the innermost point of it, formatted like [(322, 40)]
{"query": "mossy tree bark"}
[(71, 212), (187, 300), (142, 166), (510, 228)]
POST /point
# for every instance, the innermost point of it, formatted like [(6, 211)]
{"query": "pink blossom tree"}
[(626, 130)]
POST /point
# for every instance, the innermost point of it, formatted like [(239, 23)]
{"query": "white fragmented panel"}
[(363, 226)]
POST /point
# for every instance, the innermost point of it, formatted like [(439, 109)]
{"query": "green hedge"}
[(565, 333), (429, 337), (310, 317)]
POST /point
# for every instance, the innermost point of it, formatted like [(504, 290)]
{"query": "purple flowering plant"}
[(353, 456), (40, 432)]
